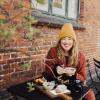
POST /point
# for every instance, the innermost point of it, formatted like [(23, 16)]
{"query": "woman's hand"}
[(60, 70), (69, 71)]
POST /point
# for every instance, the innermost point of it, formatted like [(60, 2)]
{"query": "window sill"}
[(54, 21)]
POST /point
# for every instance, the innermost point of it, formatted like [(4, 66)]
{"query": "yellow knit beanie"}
[(67, 31)]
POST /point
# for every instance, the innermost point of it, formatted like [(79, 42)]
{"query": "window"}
[(58, 7), (65, 9), (41, 4), (72, 9)]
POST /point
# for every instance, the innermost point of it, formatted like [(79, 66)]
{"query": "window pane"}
[(72, 9), (40, 4), (58, 7)]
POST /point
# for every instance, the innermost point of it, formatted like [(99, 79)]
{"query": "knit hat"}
[(67, 31)]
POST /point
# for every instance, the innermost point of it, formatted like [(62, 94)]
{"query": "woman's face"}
[(67, 43)]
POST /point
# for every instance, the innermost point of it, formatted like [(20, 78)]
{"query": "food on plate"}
[(70, 70), (61, 88), (49, 85), (40, 80)]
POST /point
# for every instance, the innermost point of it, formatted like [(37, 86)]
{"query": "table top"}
[(65, 96), (51, 95), (39, 92)]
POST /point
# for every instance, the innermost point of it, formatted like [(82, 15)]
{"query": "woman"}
[(65, 55)]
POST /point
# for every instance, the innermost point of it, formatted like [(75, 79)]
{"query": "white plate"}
[(55, 93)]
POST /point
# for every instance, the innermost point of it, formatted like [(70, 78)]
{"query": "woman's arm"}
[(81, 70), (51, 63)]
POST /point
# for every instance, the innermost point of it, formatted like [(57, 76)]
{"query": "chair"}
[(94, 83), (97, 67), (97, 61)]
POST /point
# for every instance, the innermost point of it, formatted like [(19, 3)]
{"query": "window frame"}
[(58, 17)]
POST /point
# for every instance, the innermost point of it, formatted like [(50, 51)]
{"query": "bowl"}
[(48, 85), (61, 88)]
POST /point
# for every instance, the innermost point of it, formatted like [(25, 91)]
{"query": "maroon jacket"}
[(52, 60)]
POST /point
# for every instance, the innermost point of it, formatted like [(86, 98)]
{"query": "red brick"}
[(6, 56), (7, 77), (0, 57), (2, 84), (25, 74), (21, 44), (3, 62), (6, 66), (26, 59), (14, 60), (18, 60), (7, 71), (14, 55), (14, 75), (1, 81), (10, 61), (14, 65)]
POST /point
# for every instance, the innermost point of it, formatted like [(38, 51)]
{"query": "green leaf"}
[(26, 65), (30, 86)]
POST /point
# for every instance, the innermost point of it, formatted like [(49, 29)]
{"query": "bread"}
[(40, 80)]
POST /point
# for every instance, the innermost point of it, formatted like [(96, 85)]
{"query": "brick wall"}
[(89, 43), (11, 71), (89, 39)]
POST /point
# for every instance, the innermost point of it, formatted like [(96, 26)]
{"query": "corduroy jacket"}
[(53, 60)]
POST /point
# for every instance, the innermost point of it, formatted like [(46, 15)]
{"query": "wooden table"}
[(40, 93), (65, 96), (48, 93)]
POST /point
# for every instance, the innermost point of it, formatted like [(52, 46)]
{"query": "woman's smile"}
[(66, 43)]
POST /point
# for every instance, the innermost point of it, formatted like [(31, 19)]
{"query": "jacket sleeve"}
[(81, 70), (51, 64)]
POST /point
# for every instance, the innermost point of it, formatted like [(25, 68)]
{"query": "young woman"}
[(66, 55)]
